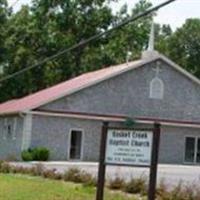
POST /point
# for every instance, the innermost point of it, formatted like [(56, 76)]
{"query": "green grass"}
[(21, 187)]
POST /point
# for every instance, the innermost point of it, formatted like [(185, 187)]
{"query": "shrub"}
[(162, 192), (88, 179), (27, 155), (37, 154), (136, 186), (40, 154), (1, 162), (77, 176), (51, 174), (73, 174), (117, 183), (179, 192), (5, 167), (37, 170)]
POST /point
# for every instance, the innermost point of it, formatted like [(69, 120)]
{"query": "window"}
[(192, 150), (9, 131), (156, 89)]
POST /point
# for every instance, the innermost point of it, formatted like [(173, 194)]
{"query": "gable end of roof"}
[(81, 82)]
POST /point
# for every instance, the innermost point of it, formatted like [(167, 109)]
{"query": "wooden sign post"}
[(154, 163), (102, 167), (129, 147)]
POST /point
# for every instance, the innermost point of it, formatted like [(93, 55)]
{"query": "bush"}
[(179, 192), (37, 154), (117, 183), (52, 174), (37, 170), (88, 179), (5, 167), (40, 154), (73, 175), (77, 176), (27, 155), (136, 186)]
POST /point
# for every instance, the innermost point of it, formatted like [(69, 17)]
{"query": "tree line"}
[(46, 27)]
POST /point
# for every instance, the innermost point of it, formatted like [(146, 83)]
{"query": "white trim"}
[(82, 143), (77, 116), (27, 131), (111, 119), (170, 124), (14, 128)]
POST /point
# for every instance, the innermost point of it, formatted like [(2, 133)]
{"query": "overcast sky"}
[(174, 14)]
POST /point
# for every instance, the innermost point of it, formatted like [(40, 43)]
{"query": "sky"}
[(174, 14)]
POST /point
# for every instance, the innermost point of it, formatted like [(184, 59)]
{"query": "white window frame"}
[(195, 150), (82, 143), (152, 93)]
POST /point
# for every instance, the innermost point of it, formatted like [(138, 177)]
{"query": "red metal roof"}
[(63, 89)]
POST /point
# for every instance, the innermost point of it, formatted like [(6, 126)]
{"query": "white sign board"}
[(129, 147)]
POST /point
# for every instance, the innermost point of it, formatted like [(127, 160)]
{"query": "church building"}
[(67, 117)]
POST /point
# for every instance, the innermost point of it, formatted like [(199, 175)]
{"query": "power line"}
[(95, 37)]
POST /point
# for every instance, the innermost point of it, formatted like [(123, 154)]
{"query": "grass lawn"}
[(21, 187)]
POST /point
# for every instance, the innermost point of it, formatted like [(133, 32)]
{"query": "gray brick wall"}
[(53, 133), (10, 148), (129, 94), (172, 146)]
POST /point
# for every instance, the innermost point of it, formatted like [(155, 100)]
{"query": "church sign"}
[(128, 147)]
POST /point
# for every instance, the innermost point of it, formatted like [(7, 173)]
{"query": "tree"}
[(68, 23), (43, 30), (47, 27), (132, 37), (4, 12), (162, 35), (20, 46), (183, 46)]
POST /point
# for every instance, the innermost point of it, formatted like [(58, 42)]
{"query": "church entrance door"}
[(75, 144)]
